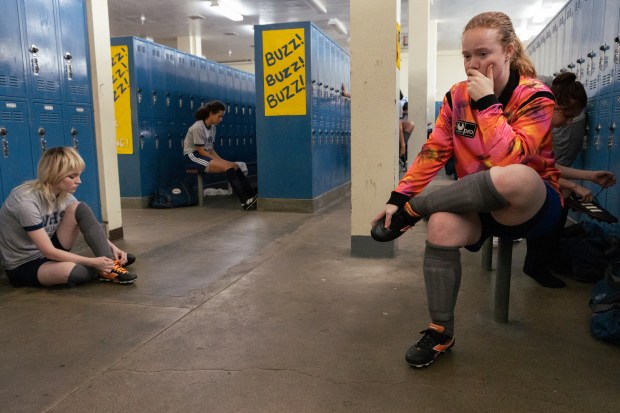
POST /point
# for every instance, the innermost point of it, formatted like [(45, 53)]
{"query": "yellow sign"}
[(122, 101), (398, 46), (284, 67)]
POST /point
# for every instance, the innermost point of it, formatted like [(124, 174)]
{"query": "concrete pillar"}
[(422, 69), (105, 123), (191, 44), (374, 118)]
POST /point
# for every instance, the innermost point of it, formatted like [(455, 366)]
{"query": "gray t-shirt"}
[(25, 210), (198, 135)]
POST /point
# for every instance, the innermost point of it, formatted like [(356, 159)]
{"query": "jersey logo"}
[(465, 129)]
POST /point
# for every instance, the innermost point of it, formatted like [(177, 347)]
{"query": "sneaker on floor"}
[(250, 204), (119, 275), (433, 343)]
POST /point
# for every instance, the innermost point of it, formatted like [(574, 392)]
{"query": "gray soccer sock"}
[(81, 274), (472, 193), (442, 277), (93, 232)]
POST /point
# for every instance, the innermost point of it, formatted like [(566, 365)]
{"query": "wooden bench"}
[(201, 192), (502, 274)]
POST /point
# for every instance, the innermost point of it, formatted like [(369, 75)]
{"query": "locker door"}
[(141, 78), (578, 56), (148, 158), (180, 92), (597, 152), (559, 63), (568, 36), (593, 40), (12, 73), (16, 163), (613, 194), (79, 126), (74, 51), (170, 105), (41, 49), (47, 128), (193, 87)]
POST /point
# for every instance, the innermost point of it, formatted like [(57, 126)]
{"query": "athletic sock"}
[(245, 183), (442, 277), (472, 193), (81, 274), (93, 232), (236, 185)]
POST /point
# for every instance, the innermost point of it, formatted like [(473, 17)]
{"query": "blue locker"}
[(80, 134), (594, 39), (12, 71), (157, 96), (181, 90), (169, 108), (606, 46), (74, 51), (16, 162), (578, 56), (193, 87), (203, 78), (47, 129), (569, 14), (597, 152), (42, 49)]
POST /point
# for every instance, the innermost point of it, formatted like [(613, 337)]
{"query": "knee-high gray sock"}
[(92, 231), (472, 193), (81, 274), (236, 185), (442, 277)]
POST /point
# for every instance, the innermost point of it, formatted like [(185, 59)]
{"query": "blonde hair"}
[(519, 60), (54, 166)]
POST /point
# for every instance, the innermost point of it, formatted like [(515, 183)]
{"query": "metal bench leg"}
[(502, 281), (201, 192)]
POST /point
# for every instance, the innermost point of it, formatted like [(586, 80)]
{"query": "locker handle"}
[(42, 140), (591, 54), (74, 139), (580, 60), (35, 60), (610, 142), (154, 97), (139, 95), (156, 141), (5, 143), (141, 141), (571, 66), (69, 66)]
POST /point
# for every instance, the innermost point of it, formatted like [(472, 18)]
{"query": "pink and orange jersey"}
[(514, 128)]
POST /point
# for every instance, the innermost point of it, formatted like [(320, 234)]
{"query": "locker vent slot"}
[(46, 85), (9, 81), (12, 116), (82, 119), (141, 48), (49, 118), (78, 89), (606, 79)]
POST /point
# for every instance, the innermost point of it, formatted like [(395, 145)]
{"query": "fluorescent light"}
[(318, 5), (337, 24), (221, 9)]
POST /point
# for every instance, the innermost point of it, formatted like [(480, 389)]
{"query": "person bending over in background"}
[(497, 124), (40, 222), (200, 154), (569, 128)]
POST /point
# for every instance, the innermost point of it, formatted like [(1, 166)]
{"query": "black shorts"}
[(548, 218), (26, 274)]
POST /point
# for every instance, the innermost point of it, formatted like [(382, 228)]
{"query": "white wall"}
[(450, 70)]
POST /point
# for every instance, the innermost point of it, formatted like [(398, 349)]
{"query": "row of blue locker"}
[(584, 37), (329, 64), (168, 83), (314, 145), (45, 51), (28, 129)]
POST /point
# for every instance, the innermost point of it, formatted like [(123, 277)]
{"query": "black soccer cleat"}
[(401, 221)]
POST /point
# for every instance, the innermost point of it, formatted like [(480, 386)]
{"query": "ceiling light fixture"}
[(337, 24), (318, 5), (218, 7)]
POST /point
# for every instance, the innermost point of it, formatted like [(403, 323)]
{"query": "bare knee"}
[(517, 183), (453, 230)]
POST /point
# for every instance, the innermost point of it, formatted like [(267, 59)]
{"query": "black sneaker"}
[(250, 203), (119, 275), (401, 222), (433, 343), (592, 209)]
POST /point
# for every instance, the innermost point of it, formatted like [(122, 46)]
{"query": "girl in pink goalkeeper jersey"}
[(497, 125)]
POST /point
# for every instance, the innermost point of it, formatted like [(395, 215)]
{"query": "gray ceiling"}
[(224, 40)]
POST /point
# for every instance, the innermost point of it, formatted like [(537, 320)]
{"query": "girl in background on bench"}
[(200, 153)]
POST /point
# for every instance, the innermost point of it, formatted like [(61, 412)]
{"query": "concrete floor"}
[(267, 312)]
